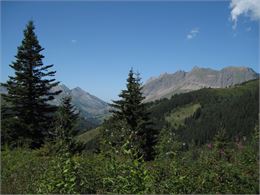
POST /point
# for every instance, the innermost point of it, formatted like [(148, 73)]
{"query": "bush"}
[(123, 171), (126, 173), (20, 169), (61, 177), (91, 172)]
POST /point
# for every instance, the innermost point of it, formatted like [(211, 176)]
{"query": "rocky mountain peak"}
[(89, 105), (179, 82)]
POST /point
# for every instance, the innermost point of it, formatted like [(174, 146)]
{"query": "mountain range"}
[(164, 86), (167, 84), (91, 108)]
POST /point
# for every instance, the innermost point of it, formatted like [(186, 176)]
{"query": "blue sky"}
[(94, 44)]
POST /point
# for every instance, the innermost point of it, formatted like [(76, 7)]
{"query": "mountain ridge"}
[(168, 84), (90, 106)]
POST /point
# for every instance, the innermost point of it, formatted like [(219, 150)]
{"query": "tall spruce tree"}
[(65, 120), (64, 131), (29, 91), (130, 108)]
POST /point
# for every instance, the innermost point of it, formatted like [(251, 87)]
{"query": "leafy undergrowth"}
[(198, 170)]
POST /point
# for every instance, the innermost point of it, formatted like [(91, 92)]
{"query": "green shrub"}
[(60, 177), (123, 171), (126, 173), (20, 168), (91, 172)]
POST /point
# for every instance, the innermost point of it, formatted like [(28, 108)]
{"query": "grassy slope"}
[(89, 135), (178, 116)]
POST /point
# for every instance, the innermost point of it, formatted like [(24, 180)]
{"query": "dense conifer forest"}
[(205, 141)]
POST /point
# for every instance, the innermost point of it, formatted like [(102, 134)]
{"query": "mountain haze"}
[(89, 105), (179, 82)]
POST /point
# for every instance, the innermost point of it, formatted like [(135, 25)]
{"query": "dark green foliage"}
[(209, 174), (126, 173), (234, 109), (131, 110), (64, 132), (61, 177), (168, 146), (130, 106), (27, 171), (20, 169), (91, 171), (65, 120), (29, 91), (114, 134)]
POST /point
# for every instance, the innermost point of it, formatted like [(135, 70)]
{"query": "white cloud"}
[(193, 33), (73, 41), (249, 8)]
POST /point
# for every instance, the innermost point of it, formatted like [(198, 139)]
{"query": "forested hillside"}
[(197, 116), (235, 109)]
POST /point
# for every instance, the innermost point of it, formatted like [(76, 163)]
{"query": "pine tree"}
[(63, 134), (29, 92), (65, 120), (132, 109)]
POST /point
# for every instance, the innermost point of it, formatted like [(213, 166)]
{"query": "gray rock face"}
[(179, 82), (88, 105)]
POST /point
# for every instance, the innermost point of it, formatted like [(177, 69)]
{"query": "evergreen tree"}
[(131, 109), (65, 120), (29, 91), (64, 132)]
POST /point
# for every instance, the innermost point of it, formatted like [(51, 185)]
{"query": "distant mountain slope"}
[(179, 82), (90, 107), (198, 115)]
